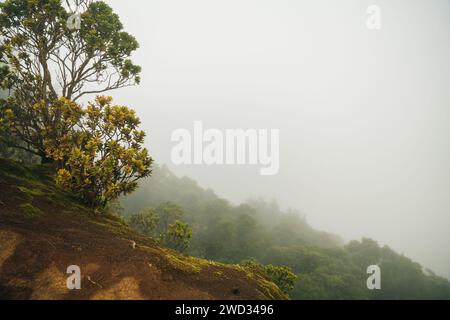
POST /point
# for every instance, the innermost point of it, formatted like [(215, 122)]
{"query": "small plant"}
[(29, 210), (164, 225), (282, 276)]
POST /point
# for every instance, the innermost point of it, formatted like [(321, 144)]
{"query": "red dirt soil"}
[(43, 230)]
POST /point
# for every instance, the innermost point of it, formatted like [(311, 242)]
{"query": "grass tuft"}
[(30, 211)]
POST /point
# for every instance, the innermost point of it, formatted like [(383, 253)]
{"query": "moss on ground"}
[(112, 224), (185, 264), (30, 211), (30, 194), (270, 290), (38, 182)]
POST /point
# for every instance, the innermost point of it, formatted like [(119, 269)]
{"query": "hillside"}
[(43, 230), (327, 268)]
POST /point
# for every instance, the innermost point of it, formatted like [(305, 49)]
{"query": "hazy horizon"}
[(363, 114)]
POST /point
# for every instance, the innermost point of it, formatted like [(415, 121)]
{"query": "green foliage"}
[(162, 223), (144, 222), (282, 276), (168, 213), (54, 135), (402, 278), (45, 66), (101, 155), (325, 267), (179, 235), (184, 264), (42, 60)]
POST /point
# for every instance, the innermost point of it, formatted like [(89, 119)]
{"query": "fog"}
[(363, 114)]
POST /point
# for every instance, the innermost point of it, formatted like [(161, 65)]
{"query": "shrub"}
[(282, 276), (101, 156)]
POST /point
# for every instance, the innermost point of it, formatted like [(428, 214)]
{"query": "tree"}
[(156, 223), (69, 114), (43, 59), (101, 155), (168, 213), (145, 221), (179, 236)]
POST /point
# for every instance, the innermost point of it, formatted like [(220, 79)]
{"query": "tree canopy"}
[(42, 59)]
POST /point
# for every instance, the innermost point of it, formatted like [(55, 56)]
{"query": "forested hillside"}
[(327, 268)]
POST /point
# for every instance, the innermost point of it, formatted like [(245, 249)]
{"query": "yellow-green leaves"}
[(36, 41), (102, 154)]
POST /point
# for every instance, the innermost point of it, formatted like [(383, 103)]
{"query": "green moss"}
[(112, 224), (151, 250), (187, 264), (28, 210), (31, 193), (218, 273), (238, 267), (62, 198), (270, 290)]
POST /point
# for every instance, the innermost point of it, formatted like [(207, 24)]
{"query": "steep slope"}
[(43, 230), (326, 267)]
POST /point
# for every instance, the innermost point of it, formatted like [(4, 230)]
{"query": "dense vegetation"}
[(46, 67), (326, 267)]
